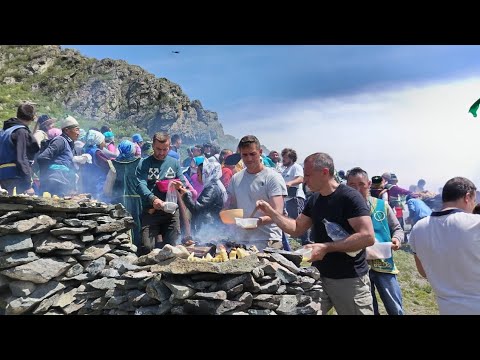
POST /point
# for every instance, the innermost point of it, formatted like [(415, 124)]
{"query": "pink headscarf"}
[(53, 132)]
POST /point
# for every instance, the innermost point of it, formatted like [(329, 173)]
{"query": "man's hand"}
[(30, 192), (179, 186), (265, 207), (158, 204), (396, 244), (319, 250)]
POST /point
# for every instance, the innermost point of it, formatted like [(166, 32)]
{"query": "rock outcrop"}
[(107, 91)]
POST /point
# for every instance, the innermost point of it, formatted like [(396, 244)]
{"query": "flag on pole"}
[(474, 108)]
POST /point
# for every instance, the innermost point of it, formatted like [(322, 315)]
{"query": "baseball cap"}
[(232, 159), (387, 176)]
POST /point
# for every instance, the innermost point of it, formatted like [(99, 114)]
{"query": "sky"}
[(398, 108)]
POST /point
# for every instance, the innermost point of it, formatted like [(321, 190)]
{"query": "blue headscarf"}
[(108, 136), (199, 160), (127, 151)]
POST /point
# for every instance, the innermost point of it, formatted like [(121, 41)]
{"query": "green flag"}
[(474, 108)]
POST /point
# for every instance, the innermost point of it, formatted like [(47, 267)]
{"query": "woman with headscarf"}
[(138, 141), (44, 123), (123, 189), (95, 174), (110, 150), (211, 200), (193, 171)]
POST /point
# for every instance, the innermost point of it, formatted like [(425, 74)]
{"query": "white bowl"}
[(247, 223)]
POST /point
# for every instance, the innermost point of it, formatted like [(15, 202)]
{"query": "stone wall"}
[(75, 257)]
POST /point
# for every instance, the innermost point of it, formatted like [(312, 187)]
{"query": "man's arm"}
[(363, 237), (396, 232), (297, 176), (293, 227), (419, 265), (23, 164), (297, 181), (277, 204), (51, 152), (142, 189)]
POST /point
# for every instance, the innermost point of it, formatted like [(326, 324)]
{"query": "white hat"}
[(69, 121)]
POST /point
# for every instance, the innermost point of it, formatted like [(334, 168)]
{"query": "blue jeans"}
[(389, 290)]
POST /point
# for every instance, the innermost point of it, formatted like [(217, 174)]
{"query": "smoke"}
[(213, 233), (422, 131)]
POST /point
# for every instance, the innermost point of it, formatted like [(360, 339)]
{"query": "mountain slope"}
[(108, 91)]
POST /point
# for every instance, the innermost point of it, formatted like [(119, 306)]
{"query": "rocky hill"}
[(108, 91)]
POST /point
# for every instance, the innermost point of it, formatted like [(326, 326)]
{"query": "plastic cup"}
[(170, 207), (306, 254)]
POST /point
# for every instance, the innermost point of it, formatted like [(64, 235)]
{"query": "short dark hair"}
[(320, 161), (175, 138), (199, 147), (247, 140), (104, 129), (476, 209), (26, 112), (223, 153), (290, 153), (456, 188), (160, 136), (357, 171), (421, 182)]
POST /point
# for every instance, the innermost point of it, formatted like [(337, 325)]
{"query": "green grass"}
[(418, 296)]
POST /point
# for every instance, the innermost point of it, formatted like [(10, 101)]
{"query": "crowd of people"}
[(173, 200)]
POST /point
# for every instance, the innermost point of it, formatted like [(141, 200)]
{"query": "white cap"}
[(69, 121)]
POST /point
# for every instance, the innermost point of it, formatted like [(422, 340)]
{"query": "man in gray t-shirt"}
[(256, 182)]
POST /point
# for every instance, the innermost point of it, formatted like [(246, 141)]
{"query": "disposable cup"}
[(379, 250)]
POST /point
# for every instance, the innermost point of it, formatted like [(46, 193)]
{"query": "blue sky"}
[(413, 99)]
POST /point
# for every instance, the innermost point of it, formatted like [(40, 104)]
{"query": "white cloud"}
[(416, 132)]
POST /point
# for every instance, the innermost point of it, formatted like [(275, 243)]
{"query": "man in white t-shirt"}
[(293, 176), (256, 182), (447, 248)]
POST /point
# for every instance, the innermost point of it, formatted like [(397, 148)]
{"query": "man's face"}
[(275, 157), (160, 149), (73, 133), (251, 156), (314, 178), (359, 183), (471, 200), (196, 152), (286, 161)]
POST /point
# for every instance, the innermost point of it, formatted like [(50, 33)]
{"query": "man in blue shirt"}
[(417, 210)]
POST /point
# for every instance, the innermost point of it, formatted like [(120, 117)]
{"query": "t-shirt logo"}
[(153, 173), (170, 174)]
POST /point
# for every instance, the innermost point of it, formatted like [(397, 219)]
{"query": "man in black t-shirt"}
[(346, 285)]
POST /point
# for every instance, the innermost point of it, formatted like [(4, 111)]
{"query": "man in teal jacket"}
[(159, 227)]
